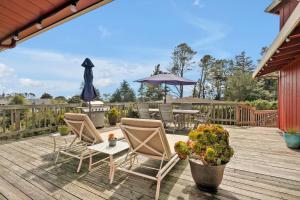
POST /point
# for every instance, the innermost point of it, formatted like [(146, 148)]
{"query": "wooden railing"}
[(266, 118), (26, 120), (221, 113)]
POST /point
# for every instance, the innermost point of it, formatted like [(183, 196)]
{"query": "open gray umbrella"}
[(167, 79), (88, 93)]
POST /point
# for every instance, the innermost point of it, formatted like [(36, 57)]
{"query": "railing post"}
[(33, 118), (252, 116), (237, 115), (4, 121), (17, 120)]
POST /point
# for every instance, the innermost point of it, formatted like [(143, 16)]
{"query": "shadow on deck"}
[(262, 168)]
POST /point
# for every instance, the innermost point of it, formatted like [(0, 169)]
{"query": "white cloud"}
[(103, 83), (58, 73), (5, 71), (198, 3), (213, 31), (29, 83), (104, 32)]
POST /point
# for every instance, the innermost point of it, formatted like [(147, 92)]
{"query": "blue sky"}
[(126, 39)]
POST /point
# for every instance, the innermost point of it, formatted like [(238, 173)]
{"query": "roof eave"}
[(274, 4), (86, 10), (287, 29)]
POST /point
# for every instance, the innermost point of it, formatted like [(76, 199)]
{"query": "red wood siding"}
[(286, 9), (289, 96)]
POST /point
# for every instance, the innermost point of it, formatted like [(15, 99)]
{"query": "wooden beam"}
[(273, 69), (279, 55), (286, 59), (290, 46), (295, 36)]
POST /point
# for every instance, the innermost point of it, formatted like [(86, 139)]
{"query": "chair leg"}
[(80, 163), (157, 188), (56, 159)]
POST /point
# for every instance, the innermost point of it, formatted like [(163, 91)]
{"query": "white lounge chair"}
[(143, 110), (148, 138), (85, 134)]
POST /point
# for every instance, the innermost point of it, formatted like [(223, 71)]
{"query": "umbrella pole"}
[(165, 100), (89, 109)]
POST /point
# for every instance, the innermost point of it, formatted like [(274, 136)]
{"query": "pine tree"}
[(123, 94), (154, 92), (217, 78), (204, 64), (116, 96), (182, 57)]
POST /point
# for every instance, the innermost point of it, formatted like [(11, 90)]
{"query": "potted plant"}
[(292, 139), (208, 151), (63, 130), (113, 115), (112, 140)]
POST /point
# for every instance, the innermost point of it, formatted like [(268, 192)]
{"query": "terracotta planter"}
[(207, 178), (112, 121)]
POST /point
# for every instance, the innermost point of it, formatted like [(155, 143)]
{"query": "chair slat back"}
[(146, 137), (82, 126), (166, 112), (143, 110)]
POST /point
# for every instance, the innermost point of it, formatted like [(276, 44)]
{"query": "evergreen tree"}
[(18, 99), (240, 85), (217, 77), (243, 63), (123, 94), (61, 98), (75, 99), (204, 64), (181, 62), (154, 92), (116, 96), (46, 96), (127, 93), (98, 97)]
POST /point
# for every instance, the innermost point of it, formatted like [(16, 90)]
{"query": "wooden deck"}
[(262, 168)]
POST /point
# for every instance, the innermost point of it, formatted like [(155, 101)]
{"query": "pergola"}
[(23, 19)]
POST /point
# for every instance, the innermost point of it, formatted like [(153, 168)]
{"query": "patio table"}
[(179, 112)]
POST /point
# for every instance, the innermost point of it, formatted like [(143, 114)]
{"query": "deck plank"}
[(262, 168)]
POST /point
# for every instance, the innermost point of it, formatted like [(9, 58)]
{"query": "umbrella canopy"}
[(88, 92), (167, 79)]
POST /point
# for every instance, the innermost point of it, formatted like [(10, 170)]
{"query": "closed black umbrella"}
[(88, 92)]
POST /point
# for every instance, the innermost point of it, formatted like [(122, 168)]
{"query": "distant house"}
[(4, 102), (283, 57), (41, 101)]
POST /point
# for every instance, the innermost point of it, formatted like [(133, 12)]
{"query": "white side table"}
[(111, 151), (56, 135)]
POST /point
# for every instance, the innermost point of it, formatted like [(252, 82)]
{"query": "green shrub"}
[(263, 104), (113, 115), (132, 113), (63, 130), (208, 143), (292, 131)]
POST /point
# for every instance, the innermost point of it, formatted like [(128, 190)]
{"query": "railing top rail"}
[(21, 107), (265, 111), (178, 103)]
